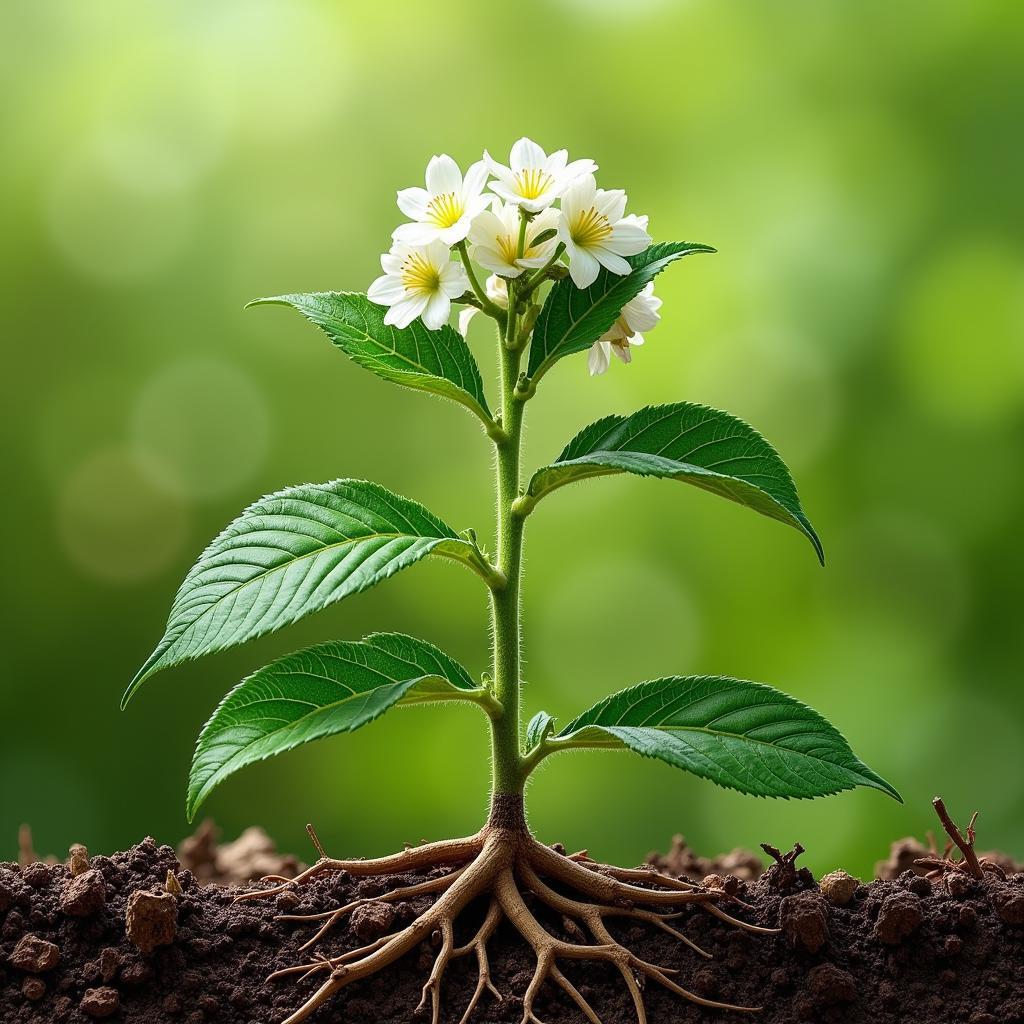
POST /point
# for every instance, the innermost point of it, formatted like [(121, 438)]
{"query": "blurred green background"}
[(859, 167)]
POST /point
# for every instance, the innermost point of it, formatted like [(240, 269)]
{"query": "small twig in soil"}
[(315, 840), (970, 863), (784, 860), (26, 851)]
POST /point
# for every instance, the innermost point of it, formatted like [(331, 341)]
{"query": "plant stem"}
[(507, 763), (538, 278), (508, 774), (485, 303)]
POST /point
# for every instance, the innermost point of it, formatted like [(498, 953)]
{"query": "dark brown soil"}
[(902, 951)]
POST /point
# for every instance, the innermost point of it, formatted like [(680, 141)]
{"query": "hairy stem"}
[(505, 628), (484, 302), (508, 769)]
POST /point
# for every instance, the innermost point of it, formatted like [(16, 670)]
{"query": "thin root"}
[(432, 885), (478, 945), (450, 851)]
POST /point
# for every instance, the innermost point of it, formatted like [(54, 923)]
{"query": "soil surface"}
[(103, 938)]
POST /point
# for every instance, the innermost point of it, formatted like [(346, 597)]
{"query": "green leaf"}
[(324, 690), (293, 553), (745, 736), (541, 725), (700, 446), (572, 318), (436, 361)]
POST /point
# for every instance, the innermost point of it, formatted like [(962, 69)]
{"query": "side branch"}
[(485, 303)]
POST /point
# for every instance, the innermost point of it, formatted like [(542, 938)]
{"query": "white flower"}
[(639, 314), (418, 280), (446, 207), (494, 236), (535, 180), (497, 292), (595, 232)]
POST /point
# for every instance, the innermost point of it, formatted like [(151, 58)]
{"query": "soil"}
[(115, 938)]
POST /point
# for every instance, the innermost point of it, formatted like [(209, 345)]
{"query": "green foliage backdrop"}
[(858, 168)]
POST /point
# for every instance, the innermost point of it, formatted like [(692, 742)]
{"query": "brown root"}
[(503, 863)]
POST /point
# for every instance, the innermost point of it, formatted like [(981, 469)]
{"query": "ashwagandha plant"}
[(303, 548)]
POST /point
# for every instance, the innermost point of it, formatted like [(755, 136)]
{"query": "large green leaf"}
[(745, 736), (692, 443), (572, 318), (324, 690), (435, 361), (292, 553)]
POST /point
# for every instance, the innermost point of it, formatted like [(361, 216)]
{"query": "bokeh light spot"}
[(201, 427), (115, 523), (111, 232), (159, 129)]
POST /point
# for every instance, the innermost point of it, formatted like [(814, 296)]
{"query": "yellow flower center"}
[(445, 210), (533, 182), (419, 274), (589, 228), (508, 247)]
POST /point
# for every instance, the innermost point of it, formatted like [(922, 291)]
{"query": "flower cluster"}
[(521, 222)]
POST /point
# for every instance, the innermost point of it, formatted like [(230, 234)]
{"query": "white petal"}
[(507, 191), (485, 228), (437, 311), (437, 253), (453, 280), (579, 195), (636, 341), (415, 234), (611, 202), (615, 333), (536, 261), (541, 202), (598, 359), (583, 268), (413, 202), (615, 263), (641, 313), (628, 237), (457, 232), (478, 204), (577, 167), (526, 153), (443, 175), (476, 178), (543, 221), (491, 259), (497, 290), (498, 170), (622, 351), (556, 162), (391, 263), (386, 290), (402, 313), (465, 316)]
